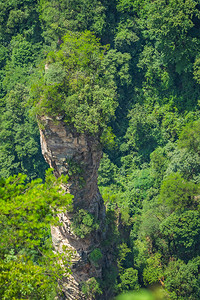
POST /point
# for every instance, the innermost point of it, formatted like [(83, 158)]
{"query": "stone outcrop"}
[(78, 156)]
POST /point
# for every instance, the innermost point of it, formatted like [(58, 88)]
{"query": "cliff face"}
[(77, 155)]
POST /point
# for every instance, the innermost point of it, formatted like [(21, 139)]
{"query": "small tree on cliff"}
[(77, 84)]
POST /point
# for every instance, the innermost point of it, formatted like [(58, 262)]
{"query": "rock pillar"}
[(78, 156)]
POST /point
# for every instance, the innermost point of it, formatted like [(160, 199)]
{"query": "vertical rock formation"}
[(77, 155)]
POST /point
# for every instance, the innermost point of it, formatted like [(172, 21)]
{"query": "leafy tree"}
[(20, 149), (124, 251), (177, 193), (128, 34), (3, 55), (58, 17), (20, 16), (129, 280), (190, 137), (77, 85), (160, 159), (186, 163), (153, 273), (106, 171), (181, 230), (29, 268), (171, 25), (182, 280), (143, 134), (23, 56)]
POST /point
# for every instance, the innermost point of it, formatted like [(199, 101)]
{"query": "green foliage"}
[(150, 229), (185, 162), (159, 160), (139, 97), (91, 288), (83, 223), (151, 126), (197, 69), (95, 256), (153, 272), (108, 138), (3, 56), (182, 230), (20, 16), (23, 52), (28, 266), (139, 182), (178, 193), (75, 170), (33, 204), (129, 280), (182, 280), (127, 35), (190, 137), (106, 171), (58, 17), (23, 56), (123, 253), (22, 278), (74, 167), (19, 149), (85, 91), (142, 134), (173, 35)]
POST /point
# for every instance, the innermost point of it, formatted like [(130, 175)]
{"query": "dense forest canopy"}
[(123, 68)]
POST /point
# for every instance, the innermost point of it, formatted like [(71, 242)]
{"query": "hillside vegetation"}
[(127, 72)]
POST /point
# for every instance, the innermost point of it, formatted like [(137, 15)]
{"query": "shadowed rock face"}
[(77, 155)]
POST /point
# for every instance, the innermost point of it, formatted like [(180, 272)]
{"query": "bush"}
[(83, 223), (95, 256)]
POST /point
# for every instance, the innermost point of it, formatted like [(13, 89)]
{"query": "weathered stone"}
[(62, 145)]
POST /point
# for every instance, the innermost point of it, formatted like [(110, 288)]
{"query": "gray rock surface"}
[(77, 155)]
